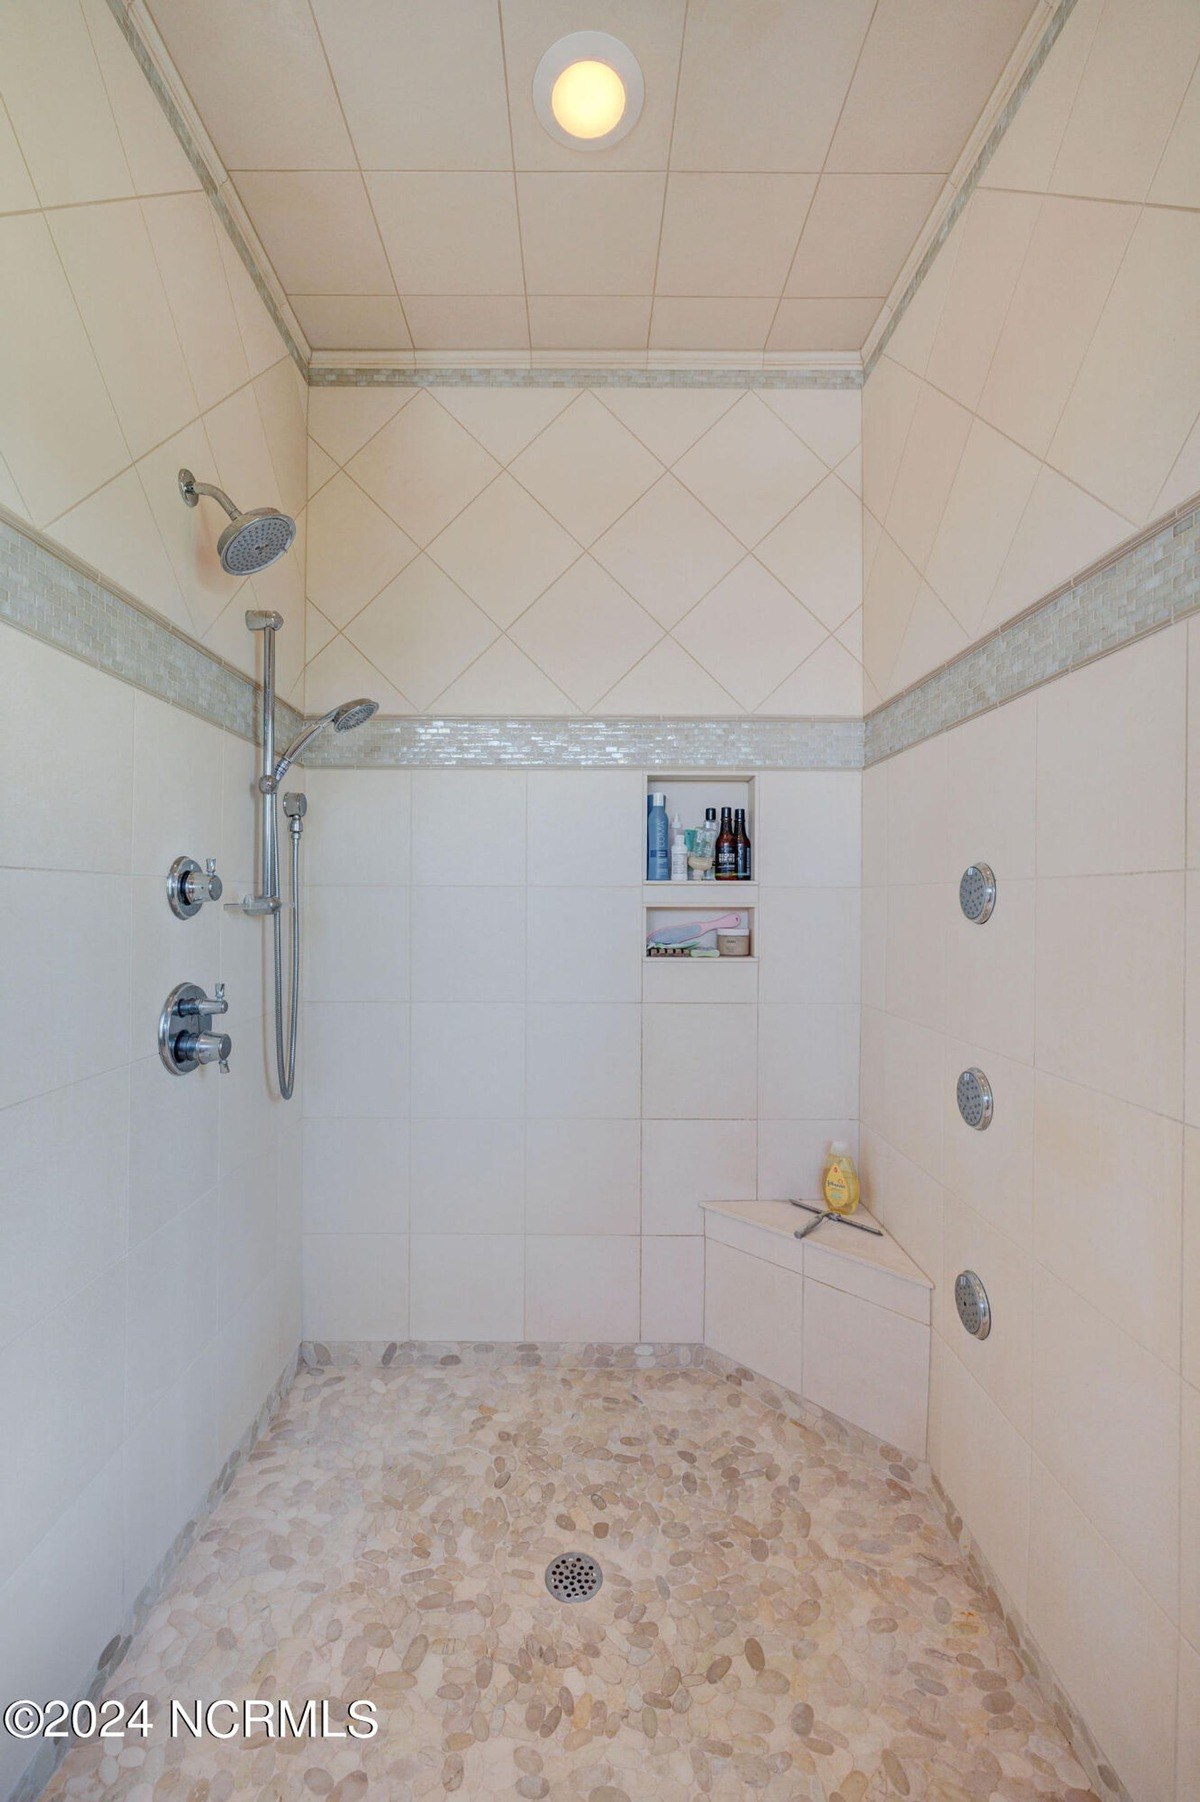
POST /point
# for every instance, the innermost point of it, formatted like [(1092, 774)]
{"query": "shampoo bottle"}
[(658, 860), (839, 1179)]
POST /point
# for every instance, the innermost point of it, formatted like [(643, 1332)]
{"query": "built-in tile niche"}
[(676, 903)]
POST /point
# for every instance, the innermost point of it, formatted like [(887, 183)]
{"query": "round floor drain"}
[(573, 1577)]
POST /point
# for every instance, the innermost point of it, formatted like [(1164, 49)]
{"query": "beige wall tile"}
[(422, 468), (916, 954), (988, 496), (1093, 1154), (60, 437), (421, 630), (1191, 1255), (1133, 403), (667, 551), (586, 469), (990, 982), (1111, 741), (504, 550), (749, 469), (932, 453), (1101, 1403), (585, 632), (747, 630), (753, 1313), (1109, 989), (995, 232), (1111, 1647), (816, 552), (1128, 97), (984, 1466), (836, 257), (58, 105), (355, 550), (184, 237)]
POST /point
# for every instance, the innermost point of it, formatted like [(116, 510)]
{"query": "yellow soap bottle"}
[(839, 1179)]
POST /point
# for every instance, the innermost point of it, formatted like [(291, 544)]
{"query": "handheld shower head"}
[(251, 541), (343, 719)]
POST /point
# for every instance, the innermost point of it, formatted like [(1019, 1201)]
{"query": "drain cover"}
[(573, 1577)]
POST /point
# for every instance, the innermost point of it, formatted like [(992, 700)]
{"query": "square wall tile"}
[(992, 1171), (356, 1060), (585, 945), (468, 1060), (1002, 1363), (583, 1061), (990, 792), (582, 1176), (990, 983), (810, 944), (699, 1063), (587, 828), (1112, 1649), (814, 826), (808, 1062), (467, 1286), (984, 1467), (582, 1288), (1101, 1404), (468, 944), (356, 944), (1113, 1018), (685, 1162), (468, 826), (1111, 762), (468, 1176), (1092, 1153), (355, 1176), (355, 1286), (357, 827), (673, 1291)]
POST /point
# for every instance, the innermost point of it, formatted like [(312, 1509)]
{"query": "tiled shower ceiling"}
[(787, 156)]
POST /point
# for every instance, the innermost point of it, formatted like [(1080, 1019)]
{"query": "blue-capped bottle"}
[(658, 841)]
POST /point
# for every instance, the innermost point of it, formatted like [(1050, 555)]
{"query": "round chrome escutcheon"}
[(974, 1310), (973, 1093), (977, 893)]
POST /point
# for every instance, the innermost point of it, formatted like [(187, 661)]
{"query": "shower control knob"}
[(205, 1048), (185, 1036), (189, 886)]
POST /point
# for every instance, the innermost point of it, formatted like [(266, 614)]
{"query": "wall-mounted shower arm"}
[(191, 490)]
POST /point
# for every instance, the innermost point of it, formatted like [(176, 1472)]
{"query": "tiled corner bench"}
[(840, 1318)]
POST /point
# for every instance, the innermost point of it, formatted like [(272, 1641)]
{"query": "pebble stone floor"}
[(781, 1617)]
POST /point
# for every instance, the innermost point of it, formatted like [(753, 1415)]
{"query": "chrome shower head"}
[(343, 719), (251, 541), (352, 714)]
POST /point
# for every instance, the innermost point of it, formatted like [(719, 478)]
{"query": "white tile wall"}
[(535, 1096), (144, 1287), (1059, 1437)]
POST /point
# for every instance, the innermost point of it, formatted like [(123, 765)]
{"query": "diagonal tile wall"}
[(1039, 401), (673, 552)]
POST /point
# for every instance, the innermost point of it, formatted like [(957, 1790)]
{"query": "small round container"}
[(735, 942)]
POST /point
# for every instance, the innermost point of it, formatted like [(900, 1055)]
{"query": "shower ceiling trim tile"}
[(985, 76)]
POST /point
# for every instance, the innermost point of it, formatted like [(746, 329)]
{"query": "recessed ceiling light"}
[(588, 90)]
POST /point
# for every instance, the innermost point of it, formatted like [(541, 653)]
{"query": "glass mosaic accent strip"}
[(973, 176), (834, 376), (1142, 586), (43, 593), (658, 744)]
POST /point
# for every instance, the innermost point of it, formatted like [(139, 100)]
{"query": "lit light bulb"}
[(588, 99)]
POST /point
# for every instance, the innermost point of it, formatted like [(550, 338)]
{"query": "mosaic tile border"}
[(1070, 1722), (38, 1773), (323, 375), (971, 180), (398, 742), (179, 125), (44, 593), (1143, 585)]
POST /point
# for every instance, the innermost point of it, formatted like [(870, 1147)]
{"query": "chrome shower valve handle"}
[(189, 886), (185, 1036), (204, 1004)]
